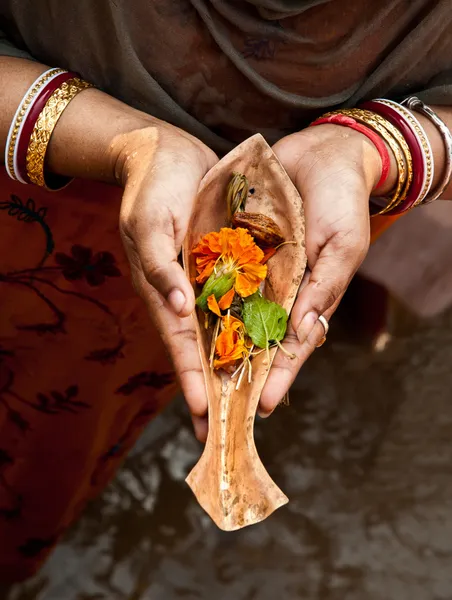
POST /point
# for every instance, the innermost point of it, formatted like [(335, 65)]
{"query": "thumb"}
[(153, 226), (158, 257)]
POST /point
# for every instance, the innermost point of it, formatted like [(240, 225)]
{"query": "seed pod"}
[(218, 285), (264, 230), (237, 194)]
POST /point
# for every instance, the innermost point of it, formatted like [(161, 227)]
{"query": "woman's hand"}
[(335, 170), (161, 168)]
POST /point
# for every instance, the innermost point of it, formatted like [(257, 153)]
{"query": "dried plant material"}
[(263, 229), (237, 194), (229, 481)]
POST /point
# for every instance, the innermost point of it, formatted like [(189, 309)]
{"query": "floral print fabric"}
[(82, 370)]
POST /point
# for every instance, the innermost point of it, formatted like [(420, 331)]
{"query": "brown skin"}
[(160, 168), (335, 169)]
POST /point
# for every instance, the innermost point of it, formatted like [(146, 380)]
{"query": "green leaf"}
[(218, 285), (265, 321)]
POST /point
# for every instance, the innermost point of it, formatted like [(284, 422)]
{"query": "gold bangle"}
[(399, 138), (20, 115), (398, 145), (46, 123), (425, 146), (404, 182)]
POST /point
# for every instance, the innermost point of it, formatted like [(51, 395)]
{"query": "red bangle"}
[(415, 146), (30, 122), (376, 140)]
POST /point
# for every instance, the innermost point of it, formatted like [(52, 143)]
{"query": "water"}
[(364, 453)]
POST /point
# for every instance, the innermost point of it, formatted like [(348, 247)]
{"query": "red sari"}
[(82, 371)]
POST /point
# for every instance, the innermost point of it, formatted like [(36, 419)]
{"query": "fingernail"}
[(177, 301), (306, 326), (263, 414)]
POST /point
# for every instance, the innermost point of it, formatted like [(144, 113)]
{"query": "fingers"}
[(201, 427), (320, 294), (179, 336), (153, 225), (330, 174), (155, 247), (337, 240), (162, 182), (284, 369)]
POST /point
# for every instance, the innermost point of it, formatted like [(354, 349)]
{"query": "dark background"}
[(364, 453)]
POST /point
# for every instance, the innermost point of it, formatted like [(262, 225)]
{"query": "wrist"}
[(380, 167), (156, 142), (354, 147), (371, 162), (85, 141)]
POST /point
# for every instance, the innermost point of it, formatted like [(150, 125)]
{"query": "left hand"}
[(335, 170)]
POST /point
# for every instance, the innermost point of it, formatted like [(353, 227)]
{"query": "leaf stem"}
[(285, 244), (288, 354), (214, 341), (241, 375), (237, 371)]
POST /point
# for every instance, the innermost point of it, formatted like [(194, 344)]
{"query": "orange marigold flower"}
[(249, 279), (213, 305), (231, 251), (268, 253), (207, 252), (230, 345), (226, 300), (230, 322), (224, 303)]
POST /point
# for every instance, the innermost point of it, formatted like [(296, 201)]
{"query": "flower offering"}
[(231, 268)]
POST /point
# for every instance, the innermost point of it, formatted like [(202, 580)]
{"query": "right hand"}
[(161, 168)]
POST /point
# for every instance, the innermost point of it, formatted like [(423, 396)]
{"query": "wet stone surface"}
[(364, 453)]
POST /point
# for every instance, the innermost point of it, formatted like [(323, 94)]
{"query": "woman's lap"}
[(82, 370)]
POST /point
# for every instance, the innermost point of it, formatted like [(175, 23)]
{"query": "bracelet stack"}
[(33, 124), (391, 125), (387, 124), (415, 104), (419, 147)]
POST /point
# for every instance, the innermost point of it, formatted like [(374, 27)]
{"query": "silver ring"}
[(326, 325), (326, 328)]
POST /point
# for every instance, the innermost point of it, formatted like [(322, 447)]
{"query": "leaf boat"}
[(230, 481)]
